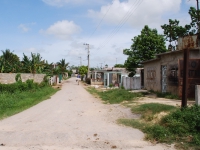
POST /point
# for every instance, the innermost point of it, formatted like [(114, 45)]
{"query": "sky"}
[(65, 29)]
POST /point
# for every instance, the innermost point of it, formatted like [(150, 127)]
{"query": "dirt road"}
[(72, 119)]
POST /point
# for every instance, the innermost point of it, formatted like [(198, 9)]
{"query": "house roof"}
[(166, 53)]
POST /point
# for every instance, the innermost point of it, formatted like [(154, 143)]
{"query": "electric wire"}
[(99, 23), (121, 23)]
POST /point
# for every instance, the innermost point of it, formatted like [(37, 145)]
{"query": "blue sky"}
[(57, 29)]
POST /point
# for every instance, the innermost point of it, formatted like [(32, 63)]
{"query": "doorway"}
[(164, 78)]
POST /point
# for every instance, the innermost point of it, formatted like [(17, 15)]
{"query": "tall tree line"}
[(10, 63)]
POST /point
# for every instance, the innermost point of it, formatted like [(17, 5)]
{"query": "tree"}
[(83, 70), (9, 62), (145, 47), (35, 64), (119, 65), (172, 31), (194, 20), (63, 66)]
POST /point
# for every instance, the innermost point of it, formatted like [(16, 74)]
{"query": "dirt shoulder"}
[(72, 119)]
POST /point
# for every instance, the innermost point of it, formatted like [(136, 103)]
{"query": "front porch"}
[(106, 78)]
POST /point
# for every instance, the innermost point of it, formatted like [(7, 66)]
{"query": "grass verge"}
[(161, 123), (115, 96), (13, 103), (181, 127)]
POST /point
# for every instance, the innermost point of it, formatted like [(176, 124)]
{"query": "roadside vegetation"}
[(19, 96), (167, 95), (161, 123), (114, 96)]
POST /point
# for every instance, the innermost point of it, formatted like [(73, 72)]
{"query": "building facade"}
[(165, 72)]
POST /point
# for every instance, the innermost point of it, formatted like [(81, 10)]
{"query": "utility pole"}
[(101, 65), (88, 47), (198, 15), (80, 61), (116, 60), (185, 77)]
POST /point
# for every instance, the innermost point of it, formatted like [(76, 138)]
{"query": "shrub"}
[(46, 79), (21, 86), (157, 132), (111, 85), (184, 122), (18, 78)]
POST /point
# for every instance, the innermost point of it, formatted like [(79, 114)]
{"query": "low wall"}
[(131, 83), (96, 83), (7, 78)]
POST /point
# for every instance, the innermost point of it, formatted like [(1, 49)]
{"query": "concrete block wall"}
[(8, 78), (131, 83)]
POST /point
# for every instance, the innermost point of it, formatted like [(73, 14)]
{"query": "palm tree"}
[(63, 66), (35, 64), (9, 62), (26, 64)]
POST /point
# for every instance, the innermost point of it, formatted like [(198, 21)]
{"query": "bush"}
[(46, 79), (18, 78), (21, 86), (157, 132), (184, 122)]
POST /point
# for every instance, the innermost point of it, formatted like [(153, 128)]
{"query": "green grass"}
[(115, 96), (16, 102), (153, 108), (181, 127), (132, 123), (167, 95)]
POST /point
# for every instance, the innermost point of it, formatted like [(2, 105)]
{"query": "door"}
[(105, 79), (164, 78), (142, 78)]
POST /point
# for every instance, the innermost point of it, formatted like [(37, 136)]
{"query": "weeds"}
[(149, 110), (179, 126), (115, 96), (21, 96)]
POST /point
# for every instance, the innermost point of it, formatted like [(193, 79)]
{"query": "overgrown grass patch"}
[(180, 126), (167, 95), (12, 103), (149, 110), (115, 96)]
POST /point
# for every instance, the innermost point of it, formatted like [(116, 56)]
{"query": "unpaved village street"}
[(72, 119)]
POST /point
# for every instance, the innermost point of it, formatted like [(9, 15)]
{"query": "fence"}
[(131, 83), (7, 78)]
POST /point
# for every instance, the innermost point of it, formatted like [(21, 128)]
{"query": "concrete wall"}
[(7, 78), (152, 76), (131, 83)]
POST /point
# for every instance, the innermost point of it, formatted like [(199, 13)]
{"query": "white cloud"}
[(62, 29), (23, 27), (137, 12), (26, 27)]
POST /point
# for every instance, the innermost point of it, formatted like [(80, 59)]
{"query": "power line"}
[(121, 23), (99, 23)]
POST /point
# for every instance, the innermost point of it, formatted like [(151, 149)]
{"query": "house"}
[(108, 77), (165, 72)]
